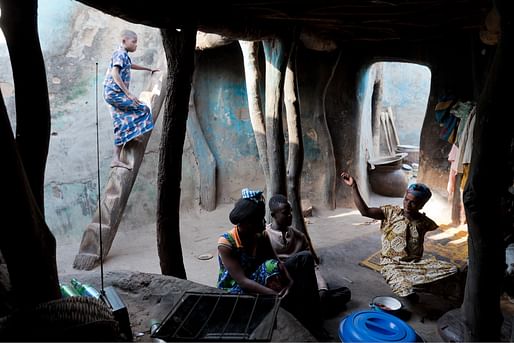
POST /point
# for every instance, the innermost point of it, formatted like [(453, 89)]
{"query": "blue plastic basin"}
[(375, 326)]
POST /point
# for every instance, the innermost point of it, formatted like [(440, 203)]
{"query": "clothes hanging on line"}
[(447, 121), (466, 148)]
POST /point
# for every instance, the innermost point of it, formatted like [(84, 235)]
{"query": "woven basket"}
[(67, 319)]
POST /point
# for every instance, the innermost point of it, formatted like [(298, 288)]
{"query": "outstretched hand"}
[(347, 178)]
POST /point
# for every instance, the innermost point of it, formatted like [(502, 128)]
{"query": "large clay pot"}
[(387, 177)]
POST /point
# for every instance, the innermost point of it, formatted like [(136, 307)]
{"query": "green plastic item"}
[(85, 289), (68, 291)]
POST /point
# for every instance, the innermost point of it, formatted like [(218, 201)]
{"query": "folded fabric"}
[(441, 109), (443, 106), (447, 121), (449, 127)]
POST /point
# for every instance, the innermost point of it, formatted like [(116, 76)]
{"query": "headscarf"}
[(253, 194), (250, 207), (420, 191)]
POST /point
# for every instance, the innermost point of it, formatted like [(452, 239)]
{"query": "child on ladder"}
[(131, 118)]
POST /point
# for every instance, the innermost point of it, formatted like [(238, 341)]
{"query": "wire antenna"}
[(109, 296), (102, 291)]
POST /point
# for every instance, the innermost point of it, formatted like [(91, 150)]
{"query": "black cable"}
[(99, 197)]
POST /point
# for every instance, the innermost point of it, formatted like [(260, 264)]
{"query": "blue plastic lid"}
[(375, 326)]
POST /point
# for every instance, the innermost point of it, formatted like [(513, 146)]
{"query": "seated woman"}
[(245, 257), (248, 264), (403, 233)]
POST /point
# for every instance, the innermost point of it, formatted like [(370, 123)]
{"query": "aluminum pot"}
[(386, 304)]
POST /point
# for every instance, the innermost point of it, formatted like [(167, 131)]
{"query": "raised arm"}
[(237, 273), (364, 209)]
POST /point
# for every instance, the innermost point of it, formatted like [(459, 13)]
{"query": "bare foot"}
[(120, 164)]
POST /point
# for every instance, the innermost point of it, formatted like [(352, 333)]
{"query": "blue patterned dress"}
[(257, 266), (130, 120)]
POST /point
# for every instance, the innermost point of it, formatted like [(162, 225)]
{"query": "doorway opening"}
[(399, 100), (393, 101)]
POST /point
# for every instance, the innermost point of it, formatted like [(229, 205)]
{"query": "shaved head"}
[(128, 34)]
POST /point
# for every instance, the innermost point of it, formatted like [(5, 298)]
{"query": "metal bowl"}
[(394, 160), (386, 304)]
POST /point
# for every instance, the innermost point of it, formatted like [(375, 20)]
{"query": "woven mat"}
[(446, 243)]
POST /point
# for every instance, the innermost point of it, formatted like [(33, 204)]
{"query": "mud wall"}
[(222, 109), (75, 38)]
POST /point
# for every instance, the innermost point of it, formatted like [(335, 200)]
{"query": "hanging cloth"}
[(447, 121), (452, 158), (461, 110), (466, 148)]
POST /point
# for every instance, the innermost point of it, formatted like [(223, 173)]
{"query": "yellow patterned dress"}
[(402, 250)]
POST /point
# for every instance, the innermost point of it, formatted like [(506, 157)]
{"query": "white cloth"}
[(466, 143), (452, 158)]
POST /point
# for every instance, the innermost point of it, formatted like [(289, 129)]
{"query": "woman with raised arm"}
[(403, 232)]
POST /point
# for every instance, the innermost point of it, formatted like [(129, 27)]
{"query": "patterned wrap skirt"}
[(403, 277), (130, 119), (261, 275)]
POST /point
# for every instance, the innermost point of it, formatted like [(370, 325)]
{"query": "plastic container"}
[(68, 291), (375, 326), (85, 289)]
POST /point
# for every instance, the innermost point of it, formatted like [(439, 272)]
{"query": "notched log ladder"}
[(118, 187)]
